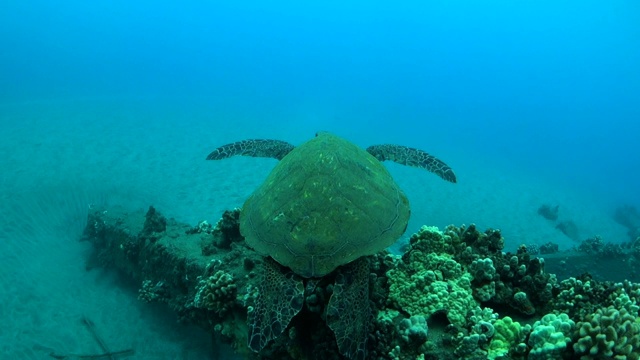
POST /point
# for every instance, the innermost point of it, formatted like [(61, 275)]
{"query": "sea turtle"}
[(326, 205)]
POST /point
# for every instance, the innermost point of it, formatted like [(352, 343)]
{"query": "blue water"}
[(547, 91), (549, 86)]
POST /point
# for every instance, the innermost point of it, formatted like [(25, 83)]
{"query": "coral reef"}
[(154, 222), (596, 246), (226, 230), (452, 294), (216, 293), (413, 331), (509, 338), (223, 234), (549, 336), (609, 333), (426, 283), (549, 248), (150, 291), (483, 273)]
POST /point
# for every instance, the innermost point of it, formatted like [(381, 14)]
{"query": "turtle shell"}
[(325, 204)]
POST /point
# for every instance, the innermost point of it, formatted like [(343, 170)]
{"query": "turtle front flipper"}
[(412, 157), (276, 149), (280, 298)]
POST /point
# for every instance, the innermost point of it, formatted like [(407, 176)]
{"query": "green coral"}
[(550, 336), (426, 282), (413, 330), (609, 333), (508, 338), (407, 336), (482, 269), (430, 239), (483, 273), (481, 329), (472, 346)]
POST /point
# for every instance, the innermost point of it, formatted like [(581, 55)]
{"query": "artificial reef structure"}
[(452, 294)]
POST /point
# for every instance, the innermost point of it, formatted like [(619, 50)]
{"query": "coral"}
[(520, 273), (514, 273), (441, 264), (532, 249), (508, 338), (414, 329), (432, 280), (481, 244), (425, 283), (154, 222), (573, 291), (216, 293), (592, 245), (632, 290), (152, 292), (430, 239), (222, 235), (399, 338), (483, 273), (613, 250), (481, 321), (203, 227), (608, 333), (227, 230), (550, 336), (384, 333), (471, 346), (482, 270), (479, 316), (395, 353), (581, 297), (549, 248)]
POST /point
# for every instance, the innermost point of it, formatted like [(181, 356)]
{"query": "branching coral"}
[(608, 333), (152, 292), (216, 293), (550, 336), (483, 273), (413, 331)]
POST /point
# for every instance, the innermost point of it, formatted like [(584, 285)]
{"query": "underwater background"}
[(119, 102)]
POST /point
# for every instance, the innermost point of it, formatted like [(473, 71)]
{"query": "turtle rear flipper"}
[(412, 157), (276, 149), (348, 313), (280, 298)]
